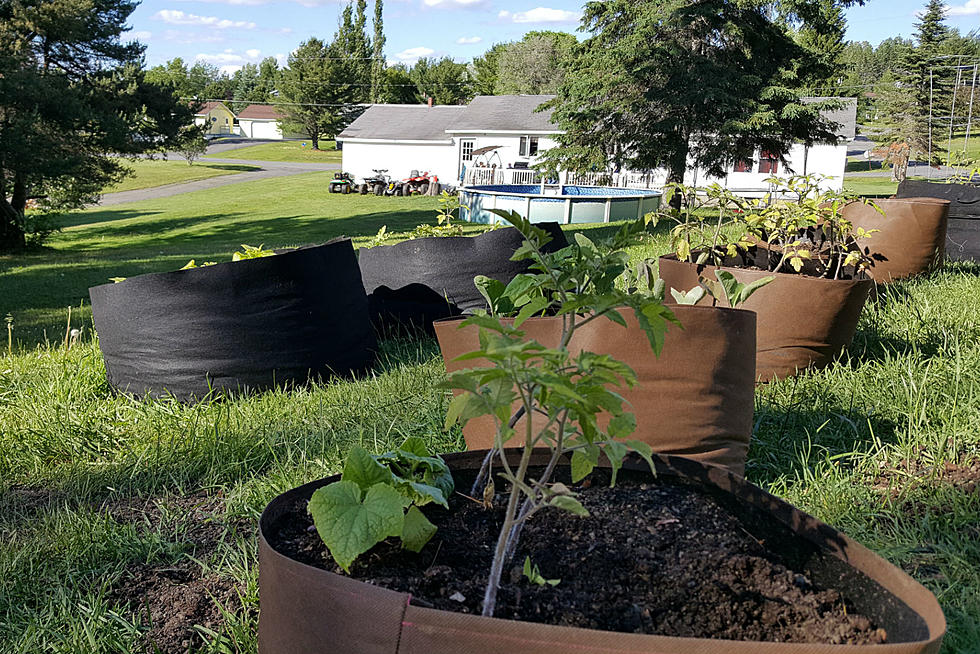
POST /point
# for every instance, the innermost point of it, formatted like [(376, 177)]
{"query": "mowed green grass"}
[(98, 489), (870, 185), (149, 173), (301, 151)]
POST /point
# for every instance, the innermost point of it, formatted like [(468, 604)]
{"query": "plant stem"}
[(497, 567)]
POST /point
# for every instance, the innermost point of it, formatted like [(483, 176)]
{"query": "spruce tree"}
[(73, 98), (907, 108)]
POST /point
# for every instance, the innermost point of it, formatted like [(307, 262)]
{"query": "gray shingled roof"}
[(404, 122), (845, 117), (498, 113), (505, 113)]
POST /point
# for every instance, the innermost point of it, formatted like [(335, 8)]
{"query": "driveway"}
[(267, 169)]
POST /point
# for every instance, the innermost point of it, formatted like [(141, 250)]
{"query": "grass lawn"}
[(108, 503), (149, 173), (870, 185), (285, 151)]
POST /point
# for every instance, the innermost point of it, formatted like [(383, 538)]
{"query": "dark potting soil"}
[(653, 557)]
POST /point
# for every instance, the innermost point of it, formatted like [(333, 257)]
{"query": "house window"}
[(769, 163), (743, 166), (467, 150), (529, 146)]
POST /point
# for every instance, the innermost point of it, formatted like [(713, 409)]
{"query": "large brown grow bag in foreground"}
[(963, 231), (911, 236), (695, 400), (305, 610), (802, 321)]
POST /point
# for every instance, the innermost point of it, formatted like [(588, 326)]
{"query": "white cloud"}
[(141, 35), (184, 38), (253, 53), (282, 59), (230, 69), (227, 58), (453, 3), (971, 8), (542, 15), (175, 17), (468, 40), (411, 55)]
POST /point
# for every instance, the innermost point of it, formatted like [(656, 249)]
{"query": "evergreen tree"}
[(351, 43), (377, 53), (823, 39), (907, 110), (316, 92), (668, 84), (73, 98)]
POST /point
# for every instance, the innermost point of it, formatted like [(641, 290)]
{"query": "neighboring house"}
[(261, 121), (218, 118), (497, 139), (497, 131)]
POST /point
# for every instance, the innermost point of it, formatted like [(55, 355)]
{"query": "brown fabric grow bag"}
[(802, 322), (963, 231), (305, 610), (911, 236), (695, 400)]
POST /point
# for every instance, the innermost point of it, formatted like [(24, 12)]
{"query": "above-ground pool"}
[(565, 204)]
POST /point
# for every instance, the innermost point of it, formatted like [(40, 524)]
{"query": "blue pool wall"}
[(575, 204)]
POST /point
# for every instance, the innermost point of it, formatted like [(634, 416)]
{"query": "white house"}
[(497, 139), (491, 133)]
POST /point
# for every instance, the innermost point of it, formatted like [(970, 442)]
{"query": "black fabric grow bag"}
[(414, 282), (963, 230), (248, 325)]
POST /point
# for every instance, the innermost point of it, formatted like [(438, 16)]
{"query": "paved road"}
[(267, 169)]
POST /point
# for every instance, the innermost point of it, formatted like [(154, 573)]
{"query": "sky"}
[(230, 33)]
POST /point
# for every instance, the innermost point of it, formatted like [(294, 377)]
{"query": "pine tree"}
[(823, 39), (906, 111), (73, 98), (377, 54)]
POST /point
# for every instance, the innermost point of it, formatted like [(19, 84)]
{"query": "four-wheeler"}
[(376, 184), (342, 183), (416, 183)]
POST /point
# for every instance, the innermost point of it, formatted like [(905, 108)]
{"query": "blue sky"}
[(229, 33)]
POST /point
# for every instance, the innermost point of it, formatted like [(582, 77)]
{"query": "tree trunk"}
[(315, 138), (675, 172), (11, 217)]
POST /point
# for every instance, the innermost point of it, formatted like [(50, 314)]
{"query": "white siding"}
[(400, 159), (260, 129)]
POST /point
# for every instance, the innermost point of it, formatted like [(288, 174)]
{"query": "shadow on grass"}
[(793, 435)]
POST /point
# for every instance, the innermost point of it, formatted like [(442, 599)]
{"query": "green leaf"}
[(416, 446), (570, 504), (421, 494), (364, 470), (615, 452), (583, 463), (691, 297), (416, 530), (622, 425), (645, 451), (730, 285), (536, 305), (350, 525), (749, 289)]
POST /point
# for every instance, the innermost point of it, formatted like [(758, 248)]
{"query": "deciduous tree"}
[(670, 84)]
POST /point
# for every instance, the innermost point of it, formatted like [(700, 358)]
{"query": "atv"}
[(341, 183), (376, 184), (416, 183)]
